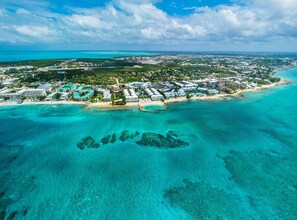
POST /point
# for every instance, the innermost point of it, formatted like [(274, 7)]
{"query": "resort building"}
[(153, 94), (130, 95), (64, 96), (46, 86), (51, 96), (169, 95), (9, 82), (106, 94), (139, 85), (181, 93), (17, 93), (202, 90), (33, 93), (187, 86), (163, 86), (115, 88), (173, 94), (12, 94), (212, 92)]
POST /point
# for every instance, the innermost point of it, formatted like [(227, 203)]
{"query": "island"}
[(139, 80)]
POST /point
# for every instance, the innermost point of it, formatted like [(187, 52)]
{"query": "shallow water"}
[(240, 161), (153, 108), (12, 56)]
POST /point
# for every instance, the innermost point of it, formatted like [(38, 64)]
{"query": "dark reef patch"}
[(286, 139), (2, 214), (87, 142), (106, 139), (9, 153), (202, 201), (269, 179), (160, 141), (125, 136), (172, 134), (10, 194), (134, 135), (12, 215), (147, 139), (113, 138)]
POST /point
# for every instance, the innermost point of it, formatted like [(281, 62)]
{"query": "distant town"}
[(150, 79)]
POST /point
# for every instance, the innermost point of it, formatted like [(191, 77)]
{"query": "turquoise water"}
[(12, 56), (153, 108), (232, 159)]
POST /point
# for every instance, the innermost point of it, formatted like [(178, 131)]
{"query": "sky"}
[(159, 25)]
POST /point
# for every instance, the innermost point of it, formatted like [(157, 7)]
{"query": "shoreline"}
[(145, 102)]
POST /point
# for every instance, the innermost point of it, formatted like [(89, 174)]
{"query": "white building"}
[(169, 95), (212, 92), (153, 94), (141, 85), (130, 95), (13, 94), (173, 94), (106, 94), (64, 96), (202, 90), (181, 93), (50, 96), (9, 82), (34, 93), (46, 86), (186, 85)]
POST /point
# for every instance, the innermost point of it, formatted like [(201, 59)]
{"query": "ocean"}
[(231, 159), (15, 56)]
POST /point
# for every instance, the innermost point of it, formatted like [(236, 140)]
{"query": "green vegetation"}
[(118, 99), (229, 72)]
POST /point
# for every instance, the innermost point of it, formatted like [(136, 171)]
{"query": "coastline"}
[(144, 102), (238, 94)]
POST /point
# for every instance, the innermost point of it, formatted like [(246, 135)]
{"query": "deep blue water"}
[(13, 56), (240, 161)]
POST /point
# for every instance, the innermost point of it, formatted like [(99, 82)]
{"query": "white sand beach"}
[(144, 102)]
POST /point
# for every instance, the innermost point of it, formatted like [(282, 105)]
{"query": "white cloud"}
[(38, 32), (141, 22)]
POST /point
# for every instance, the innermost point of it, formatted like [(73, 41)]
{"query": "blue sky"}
[(199, 25)]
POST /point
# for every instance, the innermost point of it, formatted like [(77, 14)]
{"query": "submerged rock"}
[(12, 215), (135, 134), (203, 201), (113, 138), (106, 139), (270, 182), (2, 214), (125, 136), (9, 153), (158, 140), (87, 142), (172, 134)]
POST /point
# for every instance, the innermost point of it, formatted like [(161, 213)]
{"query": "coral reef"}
[(125, 136), (9, 153), (106, 139), (160, 141), (113, 138), (202, 201), (87, 142), (270, 181), (147, 139)]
